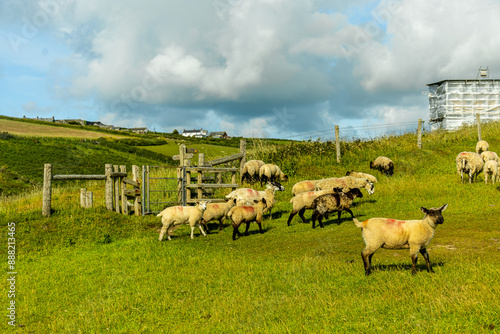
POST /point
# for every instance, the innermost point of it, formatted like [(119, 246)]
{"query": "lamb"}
[(400, 234), (469, 163), (303, 186), (217, 211), (384, 165), (489, 155), (251, 170), (359, 175), (247, 214), (173, 216), (271, 173), (482, 146), (346, 183), (490, 169), (303, 201), (246, 196), (337, 201)]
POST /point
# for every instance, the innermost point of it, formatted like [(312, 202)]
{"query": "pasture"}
[(88, 271)]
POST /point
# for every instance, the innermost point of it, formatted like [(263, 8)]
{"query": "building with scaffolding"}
[(454, 102)]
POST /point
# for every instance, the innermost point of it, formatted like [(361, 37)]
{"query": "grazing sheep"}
[(246, 196), (173, 216), (217, 211), (346, 183), (359, 175), (251, 170), (490, 169), (303, 201), (247, 214), (337, 201), (303, 186), (489, 155), (400, 234), (469, 163), (384, 165), (482, 146), (271, 173)]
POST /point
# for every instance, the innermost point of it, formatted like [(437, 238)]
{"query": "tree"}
[(175, 132)]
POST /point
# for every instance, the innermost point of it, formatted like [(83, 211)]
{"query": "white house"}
[(195, 133)]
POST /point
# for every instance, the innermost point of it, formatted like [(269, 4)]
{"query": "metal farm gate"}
[(163, 186)]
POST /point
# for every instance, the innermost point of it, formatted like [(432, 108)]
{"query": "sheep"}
[(217, 211), (359, 175), (400, 234), (469, 163), (251, 170), (271, 173), (245, 196), (247, 214), (303, 186), (482, 146), (303, 201), (346, 183), (337, 201), (489, 155), (384, 165), (173, 216), (491, 168)]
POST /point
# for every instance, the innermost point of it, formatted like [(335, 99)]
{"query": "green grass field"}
[(94, 271)]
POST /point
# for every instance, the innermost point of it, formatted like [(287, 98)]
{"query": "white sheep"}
[(489, 155), (337, 201), (383, 164), (491, 169), (303, 201), (303, 186), (360, 175), (271, 173), (246, 196), (251, 170), (247, 214), (469, 163), (400, 234), (481, 146), (173, 216), (346, 183), (217, 211)]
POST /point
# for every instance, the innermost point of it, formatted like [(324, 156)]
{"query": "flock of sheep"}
[(323, 197), (471, 164)]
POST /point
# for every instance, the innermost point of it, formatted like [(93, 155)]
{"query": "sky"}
[(252, 68)]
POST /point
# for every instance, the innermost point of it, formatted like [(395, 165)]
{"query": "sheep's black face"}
[(277, 186)]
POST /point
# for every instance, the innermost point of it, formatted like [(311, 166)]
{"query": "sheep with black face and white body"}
[(217, 211), (337, 201), (400, 234), (345, 183), (247, 214), (173, 216), (469, 163), (250, 170), (246, 196), (271, 173), (383, 164)]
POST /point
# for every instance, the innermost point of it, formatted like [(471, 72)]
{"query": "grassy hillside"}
[(96, 271)]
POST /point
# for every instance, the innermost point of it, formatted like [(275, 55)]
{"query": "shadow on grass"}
[(421, 267)]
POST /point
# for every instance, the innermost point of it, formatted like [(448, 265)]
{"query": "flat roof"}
[(440, 82)]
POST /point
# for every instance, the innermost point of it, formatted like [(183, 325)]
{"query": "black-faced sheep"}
[(360, 175), (173, 216), (251, 170), (491, 170), (482, 146), (346, 183), (247, 214), (271, 173), (246, 196), (334, 202), (400, 234), (217, 211), (469, 163), (303, 201), (384, 165)]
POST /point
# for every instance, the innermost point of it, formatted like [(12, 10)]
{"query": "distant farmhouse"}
[(90, 123), (195, 133), (219, 134), (454, 102)]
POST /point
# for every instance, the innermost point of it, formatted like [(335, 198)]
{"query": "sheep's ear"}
[(255, 201), (264, 200), (443, 207), (424, 210)]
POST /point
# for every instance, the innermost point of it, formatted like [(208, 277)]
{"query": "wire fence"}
[(365, 132)]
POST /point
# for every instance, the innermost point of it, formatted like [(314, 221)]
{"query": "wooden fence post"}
[(419, 134), (337, 142), (108, 196), (243, 150), (47, 189), (117, 189), (478, 121), (83, 197), (135, 177), (201, 159), (89, 199), (123, 169)]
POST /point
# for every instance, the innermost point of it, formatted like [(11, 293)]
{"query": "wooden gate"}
[(162, 186)]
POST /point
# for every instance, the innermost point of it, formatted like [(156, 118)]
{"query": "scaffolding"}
[(454, 102)]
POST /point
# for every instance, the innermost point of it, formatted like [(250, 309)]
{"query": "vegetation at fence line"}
[(91, 270)]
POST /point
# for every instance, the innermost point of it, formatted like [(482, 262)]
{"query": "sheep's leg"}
[(201, 230), (314, 217), (301, 215), (414, 258), (366, 255), (260, 227), (292, 214), (320, 221), (163, 231), (235, 230), (424, 253), (221, 223), (246, 229), (338, 217)]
